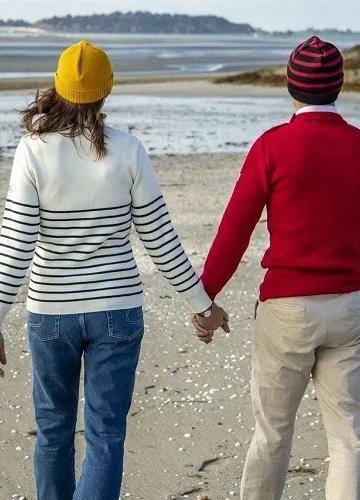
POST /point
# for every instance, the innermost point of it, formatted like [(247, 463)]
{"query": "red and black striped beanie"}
[(315, 72)]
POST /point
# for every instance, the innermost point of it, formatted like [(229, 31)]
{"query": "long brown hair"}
[(67, 118)]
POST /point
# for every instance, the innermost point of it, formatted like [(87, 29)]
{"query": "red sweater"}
[(307, 174)]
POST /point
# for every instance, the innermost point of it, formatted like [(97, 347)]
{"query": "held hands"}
[(2, 355), (205, 327)]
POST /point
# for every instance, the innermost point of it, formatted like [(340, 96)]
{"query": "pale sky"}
[(267, 14)]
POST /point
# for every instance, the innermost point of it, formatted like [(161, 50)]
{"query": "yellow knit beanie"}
[(84, 74)]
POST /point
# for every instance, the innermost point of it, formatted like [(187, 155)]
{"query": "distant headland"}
[(150, 23)]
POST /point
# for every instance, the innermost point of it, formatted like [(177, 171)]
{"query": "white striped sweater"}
[(69, 217)]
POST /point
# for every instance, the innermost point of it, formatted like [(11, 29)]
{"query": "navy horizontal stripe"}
[(87, 290), (164, 244), (14, 267), (21, 204), (11, 256), (156, 229), (96, 243), (21, 222), (87, 218), (86, 274), (8, 284), (166, 253), (13, 276), (147, 204), (171, 230), (66, 228), (170, 260), (84, 267), (78, 282), (21, 213), (175, 267), (189, 287), (19, 231), (20, 241), (17, 250), (149, 213), (185, 280), (5, 302), (83, 251), (85, 299), (180, 274), (84, 210), (138, 224), (11, 294), (81, 260), (83, 235)]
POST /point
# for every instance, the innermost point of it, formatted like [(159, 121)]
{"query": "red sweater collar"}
[(318, 116)]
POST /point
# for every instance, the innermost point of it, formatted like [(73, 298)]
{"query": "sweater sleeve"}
[(153, 224), (238, 221), (19, 230)]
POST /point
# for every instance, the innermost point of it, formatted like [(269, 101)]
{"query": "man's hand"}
[(2, 355), (203, 334), (205, 326)]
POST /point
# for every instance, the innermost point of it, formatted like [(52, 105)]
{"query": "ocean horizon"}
[(29, 52)]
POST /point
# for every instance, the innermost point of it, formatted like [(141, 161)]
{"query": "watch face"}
[(207, 314)]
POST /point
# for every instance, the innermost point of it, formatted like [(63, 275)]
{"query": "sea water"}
[(180, 125)]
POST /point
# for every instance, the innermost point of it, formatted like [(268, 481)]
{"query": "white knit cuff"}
[(198, 299)]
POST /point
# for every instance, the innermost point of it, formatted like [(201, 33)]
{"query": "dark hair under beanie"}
[(315, 72)]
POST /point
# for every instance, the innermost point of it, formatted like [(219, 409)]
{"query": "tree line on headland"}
[(150, 23), (138, 22)]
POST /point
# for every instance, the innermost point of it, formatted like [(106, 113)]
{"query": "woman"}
[(76, 187)]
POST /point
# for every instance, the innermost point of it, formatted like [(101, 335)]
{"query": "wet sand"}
[(191, 419)]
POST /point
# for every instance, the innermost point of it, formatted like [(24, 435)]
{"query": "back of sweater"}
[(70, 216), (307, 174)]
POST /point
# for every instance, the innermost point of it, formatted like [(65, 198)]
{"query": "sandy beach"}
[(191, 419), (173, 86)]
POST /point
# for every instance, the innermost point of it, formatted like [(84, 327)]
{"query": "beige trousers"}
[(295, 338)]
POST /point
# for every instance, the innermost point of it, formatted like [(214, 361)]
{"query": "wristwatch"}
[(206, 313)]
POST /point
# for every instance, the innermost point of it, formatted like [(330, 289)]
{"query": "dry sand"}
[(165, 85), (170, 87), (191, 419)]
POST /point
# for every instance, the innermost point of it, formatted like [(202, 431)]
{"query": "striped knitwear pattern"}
[(315, 72)]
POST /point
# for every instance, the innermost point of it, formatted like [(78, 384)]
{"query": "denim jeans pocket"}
[(44, 326), (125, 324)]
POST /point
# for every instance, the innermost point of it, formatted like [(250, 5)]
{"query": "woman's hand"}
[(205, 327), (2, 355)]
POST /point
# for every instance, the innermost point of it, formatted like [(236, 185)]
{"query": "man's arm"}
[(238, 221)]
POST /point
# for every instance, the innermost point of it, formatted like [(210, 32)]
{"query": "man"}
[(307, 174)]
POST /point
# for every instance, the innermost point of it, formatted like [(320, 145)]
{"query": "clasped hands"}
[(205, 327)]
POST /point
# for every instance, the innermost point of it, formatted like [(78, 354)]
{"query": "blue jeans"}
[(110, 342)]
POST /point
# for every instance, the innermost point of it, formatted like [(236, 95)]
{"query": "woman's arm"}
[(153, 225), (19, 231)]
